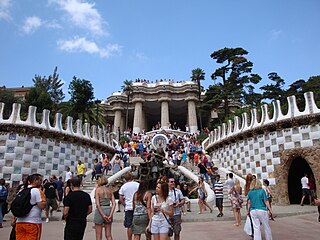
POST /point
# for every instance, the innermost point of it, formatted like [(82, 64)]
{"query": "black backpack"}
[(21, 205)]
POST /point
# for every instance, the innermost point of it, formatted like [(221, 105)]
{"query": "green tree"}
[(235, 75), (127, 88), (46, 93), (274, 90), (198, 76), (7, 97), (81, 99), (313, 85)]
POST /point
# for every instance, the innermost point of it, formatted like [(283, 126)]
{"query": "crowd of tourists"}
[(155, 213)]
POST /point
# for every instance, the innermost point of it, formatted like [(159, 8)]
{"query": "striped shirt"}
[(219, 193)]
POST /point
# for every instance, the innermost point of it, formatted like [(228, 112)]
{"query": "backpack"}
[(3, 193), (21, 205), (125, 158)]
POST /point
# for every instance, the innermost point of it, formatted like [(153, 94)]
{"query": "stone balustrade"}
[(236, 128), (94, 134)]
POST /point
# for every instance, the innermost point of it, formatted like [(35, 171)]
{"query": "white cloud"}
[(275, 34), (4, 9), (83, 45), (83, 14), (31, 24), (141, 56)]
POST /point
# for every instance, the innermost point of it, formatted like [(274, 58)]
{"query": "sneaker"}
[(47, 220), (188, 210), (118, 211), (219, 215)]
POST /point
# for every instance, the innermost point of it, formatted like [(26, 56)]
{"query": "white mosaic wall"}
[(259, 155), (24, 155)]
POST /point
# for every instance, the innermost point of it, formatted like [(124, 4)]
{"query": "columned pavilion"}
[(166, 102)]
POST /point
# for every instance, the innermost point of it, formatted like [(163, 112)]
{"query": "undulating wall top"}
[(242, 129), (93, 136)]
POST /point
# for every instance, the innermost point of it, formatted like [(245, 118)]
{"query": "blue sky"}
[(108, 42)]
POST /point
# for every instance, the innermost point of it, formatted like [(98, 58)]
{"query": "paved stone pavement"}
[(292, 222)]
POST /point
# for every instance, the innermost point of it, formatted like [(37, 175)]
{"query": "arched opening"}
[(298, 167)]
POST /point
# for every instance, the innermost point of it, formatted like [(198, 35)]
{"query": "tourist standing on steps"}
[(236, 192), (126, 193), (60, 187), (178, 200), (229, 183), (52, 196), (161, 209), (68, 175), (81, 171), (218, 190), (30, 226), (202, 195), (305, 189), (103, 215), (185, 193), (116, 165), (142, 211), (258, 205), (77, 206)]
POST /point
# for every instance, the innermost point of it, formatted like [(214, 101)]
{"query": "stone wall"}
[(28, 146), (267, 146)]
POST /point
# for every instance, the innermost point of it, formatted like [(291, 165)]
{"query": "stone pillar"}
[(165, 115), (192, 117), (138, 115), (117, 121)]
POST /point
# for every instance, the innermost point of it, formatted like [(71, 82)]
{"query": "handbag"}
[(171, 227)]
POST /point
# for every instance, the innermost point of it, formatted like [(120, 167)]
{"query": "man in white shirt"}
[(178, 201), (305, 188), (68, 175), (126, 193), (29, 226)]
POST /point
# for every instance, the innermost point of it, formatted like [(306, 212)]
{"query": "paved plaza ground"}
[(292, 222)]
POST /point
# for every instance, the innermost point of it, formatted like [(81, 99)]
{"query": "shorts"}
[(159, 226), (28, 231), (128, 216), (186, 199), (51, 202), (60, 195), (176, 222), (306, 191), (219, 202)]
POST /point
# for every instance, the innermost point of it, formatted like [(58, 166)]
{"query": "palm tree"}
[(197, 76), (127, 88)]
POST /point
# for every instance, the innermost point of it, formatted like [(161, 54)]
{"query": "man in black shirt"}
[(77, 207), (51, 193)]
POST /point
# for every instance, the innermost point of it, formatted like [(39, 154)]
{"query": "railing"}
[(94, 134), (234, 128)]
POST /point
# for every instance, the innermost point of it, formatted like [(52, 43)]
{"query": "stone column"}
[(117, 121), (138, 115), (192, 117), (165, 115)]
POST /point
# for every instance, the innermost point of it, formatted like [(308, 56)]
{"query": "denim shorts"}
[(159, 226)]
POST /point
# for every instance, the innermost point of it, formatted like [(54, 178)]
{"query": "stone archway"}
[(298, 167), (281, 171)]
